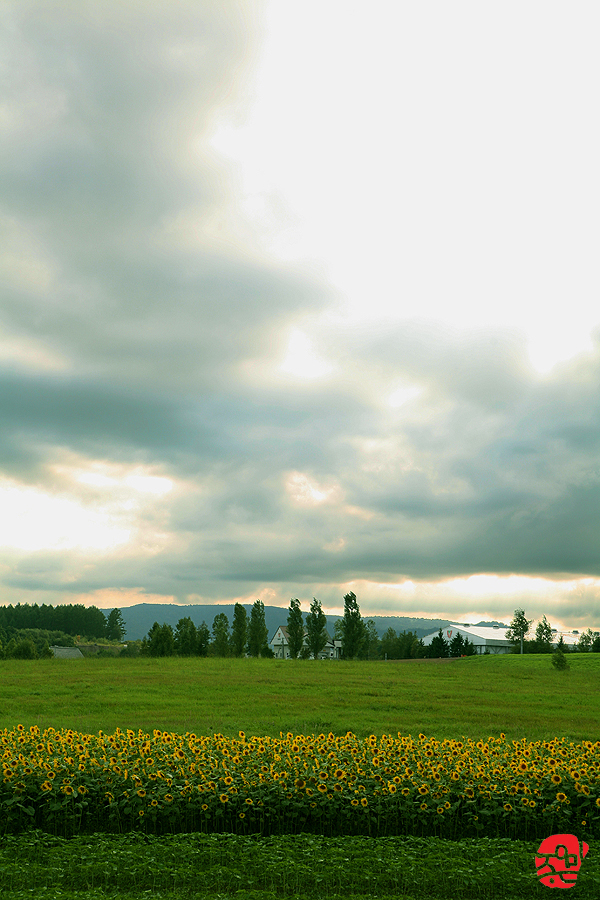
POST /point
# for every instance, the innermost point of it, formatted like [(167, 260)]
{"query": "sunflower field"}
[(68, 783)]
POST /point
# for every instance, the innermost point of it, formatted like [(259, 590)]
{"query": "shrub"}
[(558, 659)]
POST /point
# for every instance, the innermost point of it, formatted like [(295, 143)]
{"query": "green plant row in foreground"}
[(69, 783), (300, 865)]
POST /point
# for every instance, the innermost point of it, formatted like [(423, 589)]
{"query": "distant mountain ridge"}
[(140, 618)]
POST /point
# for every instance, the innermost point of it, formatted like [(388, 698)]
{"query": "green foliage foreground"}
[(282, 866)]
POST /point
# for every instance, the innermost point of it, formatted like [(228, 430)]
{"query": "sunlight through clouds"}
[(305, 492), (301, 359), (32, 520)]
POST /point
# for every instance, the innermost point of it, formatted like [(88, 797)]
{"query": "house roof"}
[(66, 652), (284, 630), (493, 635), (477, 634)]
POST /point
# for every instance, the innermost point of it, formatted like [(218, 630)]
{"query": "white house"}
[(490, 638), (279, 644)]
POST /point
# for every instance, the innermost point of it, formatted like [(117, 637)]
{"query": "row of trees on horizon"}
[(248, 636), (307, 636), (28, 631), (545, 637)]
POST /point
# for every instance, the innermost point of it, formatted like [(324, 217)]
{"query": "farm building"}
[(485, 638), (66, 653), (279, 644), (570, 638)]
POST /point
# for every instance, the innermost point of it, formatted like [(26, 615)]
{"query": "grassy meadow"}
[(521, 696)]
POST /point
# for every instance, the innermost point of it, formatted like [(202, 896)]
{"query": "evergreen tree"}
[(372, 646), (202, 640), (405, 645), (161, 641), (257, 630), (584, 644), (186, 638), (220, 631), (596, 643), (469, 648), (295, 628), (562, 646), (44, 652), (457, 645), (239, 633), (439, 649), (417, 648), (558, 660), (352, 628), (543, 636), (390, 645), (518, 628), (316, 637), (115, 626)]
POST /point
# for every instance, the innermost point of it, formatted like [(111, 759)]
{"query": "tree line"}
[(247, 636), (359, 639), (27, 631), (307, 636), (545, 638)]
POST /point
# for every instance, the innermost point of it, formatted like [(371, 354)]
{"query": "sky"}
[(301, 301)]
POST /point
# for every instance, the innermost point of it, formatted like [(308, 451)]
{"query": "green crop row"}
[(280, 866)]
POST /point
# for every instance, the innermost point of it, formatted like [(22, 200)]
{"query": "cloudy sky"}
[(301, 300)]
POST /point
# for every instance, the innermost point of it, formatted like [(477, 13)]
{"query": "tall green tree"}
[(295, 628), (584, 644), (457, 645), (257, 630), (389, 645), (186, 638), (405, 645), (202, 640), (352, 628), (239, 631), (160, 641), (518, 628), (469, 648), (543, 636), (316, 636), (221, 641), (372, 646), (115, 626), (439, 649)]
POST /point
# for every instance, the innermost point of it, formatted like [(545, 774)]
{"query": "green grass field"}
[(476, 697), (522, 696)]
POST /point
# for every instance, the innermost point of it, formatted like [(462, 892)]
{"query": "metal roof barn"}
[(490, 638)]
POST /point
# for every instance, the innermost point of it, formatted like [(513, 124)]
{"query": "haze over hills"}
[(140, 618)]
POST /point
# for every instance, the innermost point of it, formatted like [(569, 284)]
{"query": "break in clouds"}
[(153, 442)]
